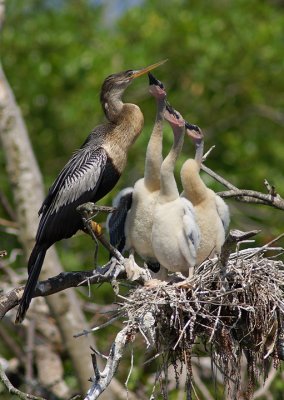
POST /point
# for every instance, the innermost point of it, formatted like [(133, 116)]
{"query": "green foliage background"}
[(224, 73)]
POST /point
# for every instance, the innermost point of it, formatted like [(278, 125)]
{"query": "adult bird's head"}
[(114, 86), (156, 87)]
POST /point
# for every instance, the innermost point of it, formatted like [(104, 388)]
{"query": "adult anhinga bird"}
[(175, 235), (212, 213), (89, 175), (130, 227)]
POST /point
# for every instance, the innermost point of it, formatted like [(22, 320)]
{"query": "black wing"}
[(116, 220), (77, 183)]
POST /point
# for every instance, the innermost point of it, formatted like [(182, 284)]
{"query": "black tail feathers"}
[(34, 267)]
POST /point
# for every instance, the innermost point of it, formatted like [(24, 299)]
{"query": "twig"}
[(97, 353), (88, 211), (181, 334), (130, 371), (13, 390), (266, 246), (232, 239), (96, 328), (151, 359), (251, 196), (215, 324), (93, 209), (218, 178), (270, 188), (247, 196), (206, 155), (101, 380)]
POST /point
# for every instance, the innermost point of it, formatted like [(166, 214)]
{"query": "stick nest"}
[(233, 311)]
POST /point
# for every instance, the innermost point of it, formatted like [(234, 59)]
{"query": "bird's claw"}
[(112, 269), (127, 265), (133, 271)]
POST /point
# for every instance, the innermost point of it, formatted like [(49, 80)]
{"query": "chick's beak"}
[(194, 131), (143, 71)]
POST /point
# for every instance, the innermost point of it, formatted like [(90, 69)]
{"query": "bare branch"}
[(93, 209), (90, 210), (13, 390), (233, 237), (67, 280), (218, 178), (270, 188), (96, 328), (251, 196), (206, 155), (101, 380), (248, 196)]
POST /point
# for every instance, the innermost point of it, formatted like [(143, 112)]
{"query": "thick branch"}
[(64, 281)]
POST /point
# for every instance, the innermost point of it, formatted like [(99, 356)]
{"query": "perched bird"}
[(175, 235), (212, 213), (89, 175), (130, 227)]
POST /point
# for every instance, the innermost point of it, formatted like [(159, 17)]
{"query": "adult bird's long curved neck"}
[(89, 175)]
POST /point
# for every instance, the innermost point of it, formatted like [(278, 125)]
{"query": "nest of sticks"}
[(234, 310)]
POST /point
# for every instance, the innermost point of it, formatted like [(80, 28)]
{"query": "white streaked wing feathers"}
[(83, 175), (190, 239), (223, 211)]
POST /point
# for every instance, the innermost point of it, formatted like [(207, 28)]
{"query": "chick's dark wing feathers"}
[(116, 221)]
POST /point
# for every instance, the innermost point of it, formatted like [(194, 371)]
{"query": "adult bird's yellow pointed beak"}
[(143, 71)]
